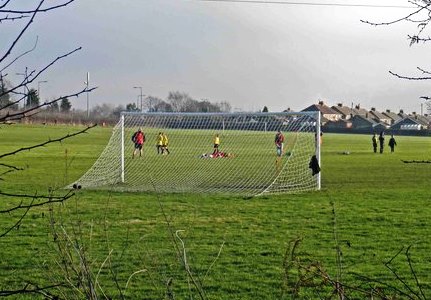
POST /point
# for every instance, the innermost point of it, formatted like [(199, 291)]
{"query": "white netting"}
[(247, 162)]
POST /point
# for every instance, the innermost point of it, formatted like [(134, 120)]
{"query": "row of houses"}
[(342, 118)]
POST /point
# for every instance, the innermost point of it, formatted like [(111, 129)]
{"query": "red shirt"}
[(139, 137), (279, 138)]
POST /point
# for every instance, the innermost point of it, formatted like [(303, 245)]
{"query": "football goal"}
[(234, 153)]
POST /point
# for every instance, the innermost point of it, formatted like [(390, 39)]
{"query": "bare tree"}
[(162, 106), (177, 100), (225, 106), (420, 18), (14, 95), (182, 102)]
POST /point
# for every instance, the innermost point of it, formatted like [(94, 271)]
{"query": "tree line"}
[(179, 102), (175, 102)]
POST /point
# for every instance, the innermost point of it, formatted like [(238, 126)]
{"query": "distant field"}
[(381, 205)]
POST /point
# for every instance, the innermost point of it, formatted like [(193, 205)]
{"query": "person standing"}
[(381, 141), (374, 140), (165, 144), (216, 143), (279, 143), (392, 143), (159, 143), (138, 139)]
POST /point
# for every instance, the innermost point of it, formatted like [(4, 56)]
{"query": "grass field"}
[(235, 248)]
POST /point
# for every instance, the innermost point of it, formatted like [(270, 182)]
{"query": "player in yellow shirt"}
[(216, 143), (159, 143), (165, 144)]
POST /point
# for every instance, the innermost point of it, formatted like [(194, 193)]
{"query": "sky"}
[(251, 55)]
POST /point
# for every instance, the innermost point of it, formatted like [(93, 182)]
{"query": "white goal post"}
[(179, 153)]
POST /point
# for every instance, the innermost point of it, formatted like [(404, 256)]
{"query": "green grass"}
[(382, 205)]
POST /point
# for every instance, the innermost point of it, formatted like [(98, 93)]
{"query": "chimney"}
[(401, 111), (321, 102), (358, 106), (414, 113), (388, 110), (340, 104), (373, 109)]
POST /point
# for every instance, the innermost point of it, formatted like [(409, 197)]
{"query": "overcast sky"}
[(248, 54)]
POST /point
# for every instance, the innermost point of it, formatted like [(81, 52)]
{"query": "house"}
[(344, 111), (337, 125), (422, 119), (402, 114), (409, 123), (391, 115), (366, 124), (326, 112), (379, 117), (358, 111)]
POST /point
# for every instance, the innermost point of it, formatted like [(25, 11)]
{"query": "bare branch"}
[(17, 223), (4, 4), (9, 51), (404, 283), (7, 18), (424, 71), (4, 173), (34, 75), (51, 199), (412, 270), (371, 280), (48, 142), (405, 18), (11, 167), (19, 56), (27, 290), (37, 10), (33, 110), (409, 77)]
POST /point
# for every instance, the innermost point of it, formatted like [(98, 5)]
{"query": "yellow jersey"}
[(165, 140), (160, 140)]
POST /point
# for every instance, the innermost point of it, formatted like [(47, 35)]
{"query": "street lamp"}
[(38, 88), (140, 95)]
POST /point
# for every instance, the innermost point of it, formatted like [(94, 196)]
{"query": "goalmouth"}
[(248, 161)]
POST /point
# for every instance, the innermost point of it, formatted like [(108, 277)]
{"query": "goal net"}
[(236, 153)]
